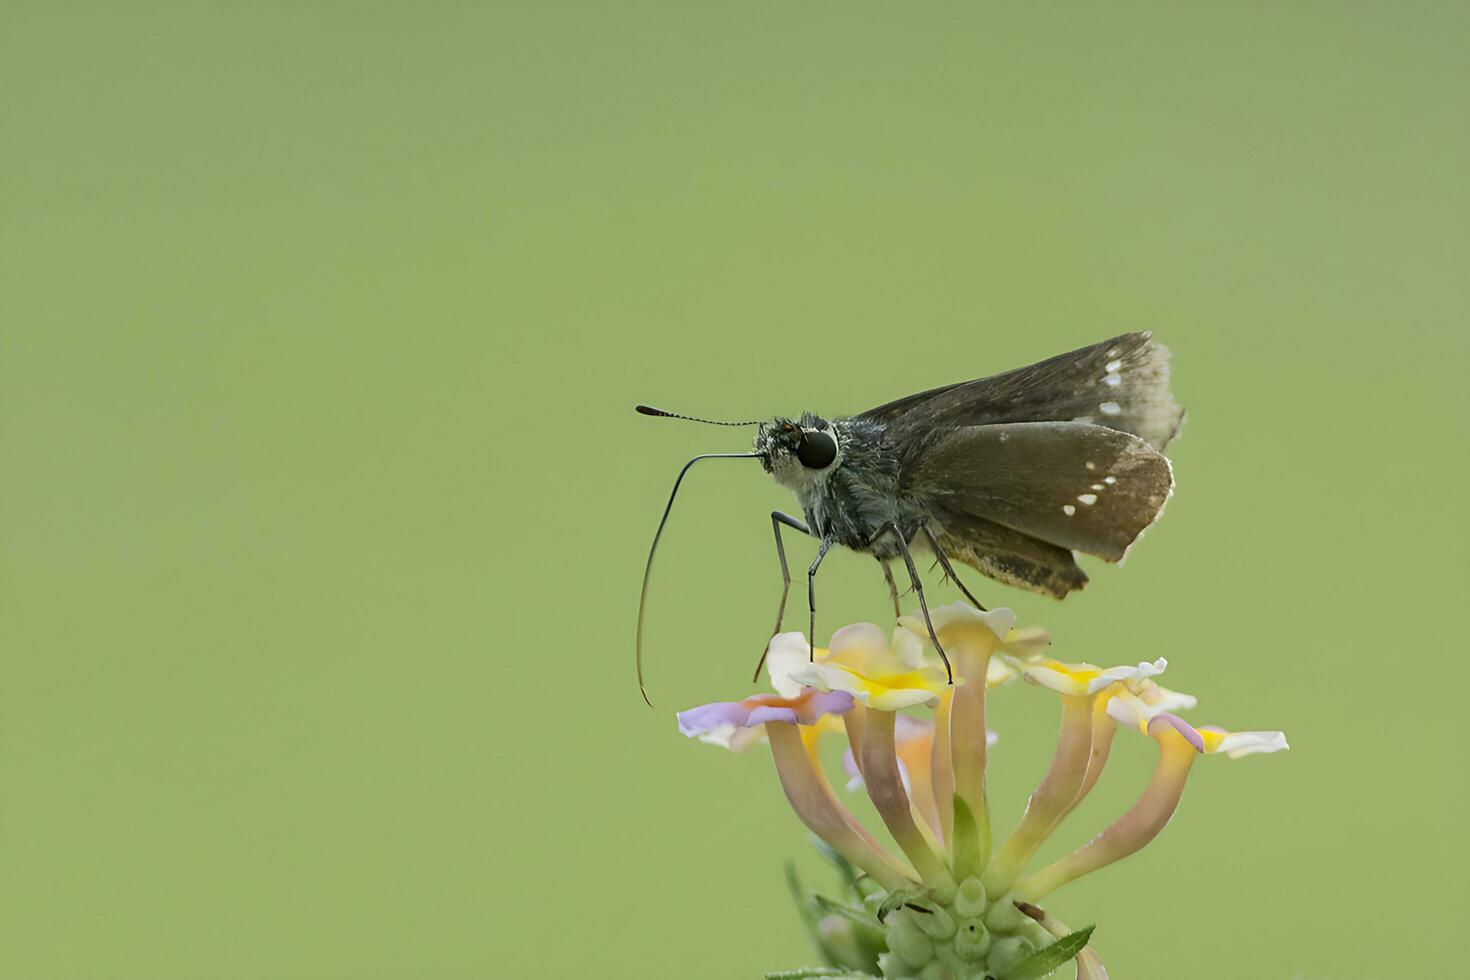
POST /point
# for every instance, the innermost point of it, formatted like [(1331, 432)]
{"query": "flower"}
[(1083, 747), (1179, 744), (1026, 642), (1210, 740), (914, 740), (717, 722), (1139, 702), (1080, 679), (960, 622), (942, 904), (971, 636), (861, 662)]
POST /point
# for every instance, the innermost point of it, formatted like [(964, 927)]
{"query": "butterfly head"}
[(795, 452)]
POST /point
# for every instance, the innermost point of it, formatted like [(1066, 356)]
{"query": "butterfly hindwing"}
[(1071, 485)]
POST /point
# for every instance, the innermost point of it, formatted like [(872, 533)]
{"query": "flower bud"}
[(970, 900), (1006, 953), (971, 939)]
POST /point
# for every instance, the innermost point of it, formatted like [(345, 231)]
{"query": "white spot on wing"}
[(1110, 480), (1112, 380), (1091, 465), (1097, 486), (1114, 352), (1112, 366), (1068, 509), (1087, 498), (1110, 408)]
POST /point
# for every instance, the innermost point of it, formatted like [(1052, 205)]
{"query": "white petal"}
[(823, 678), (864, 638), (787, 652), (998, 672), (908, 648), (1138, 705), (1143, 671), (898, 699), (1127, 710), (1162, 699), (1047, 676), (999, 621), (1027, 643), (1237, 744), (719, 735)]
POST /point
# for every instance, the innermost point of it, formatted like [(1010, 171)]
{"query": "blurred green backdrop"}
[(324, 507)]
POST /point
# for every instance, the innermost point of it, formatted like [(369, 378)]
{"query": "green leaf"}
[(844, 867), (860, 916), (896, 899), (1049, 958), (966, 841), (804, 906), (815, 971)]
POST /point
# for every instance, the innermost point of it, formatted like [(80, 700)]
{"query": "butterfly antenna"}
[(643, 595), (660, 413)]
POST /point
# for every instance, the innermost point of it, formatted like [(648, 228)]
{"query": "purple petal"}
[(761, 714), (1181, 726), (849, 766), (708, 717), (757, 710), (825, 703)]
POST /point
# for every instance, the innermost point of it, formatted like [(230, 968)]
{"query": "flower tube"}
[(970, 637), (883, 679), (1080, 685), (799, 770), (915, 743), (1179, 744)]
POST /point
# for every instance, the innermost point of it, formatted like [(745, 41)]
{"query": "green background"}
[(324, 506)]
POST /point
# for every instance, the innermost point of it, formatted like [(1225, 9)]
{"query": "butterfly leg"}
[(811, 595), (777, 519), (948, 568), (892, 587), (908, 560)]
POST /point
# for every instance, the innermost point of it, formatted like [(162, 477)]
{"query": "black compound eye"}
[(816, 450)]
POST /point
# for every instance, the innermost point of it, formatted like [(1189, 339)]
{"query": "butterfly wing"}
[(1009, 556), (1121, 384), (1070, 485)]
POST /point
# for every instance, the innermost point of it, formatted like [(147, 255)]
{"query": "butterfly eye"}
[(817, 450)]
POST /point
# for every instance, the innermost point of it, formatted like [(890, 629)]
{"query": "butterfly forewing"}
[(1121, 384)]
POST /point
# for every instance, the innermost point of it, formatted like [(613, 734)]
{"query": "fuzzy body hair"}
[(850, 501)]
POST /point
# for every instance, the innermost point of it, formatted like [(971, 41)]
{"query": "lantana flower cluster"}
[(947, 903)]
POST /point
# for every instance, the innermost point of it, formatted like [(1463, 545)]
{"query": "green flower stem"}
[(967, 738), (885, 788), (1052, 798), (812, 798), (941, 768), (1129, 832)]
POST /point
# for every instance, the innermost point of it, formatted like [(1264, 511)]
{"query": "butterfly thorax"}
[(851, 500)]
